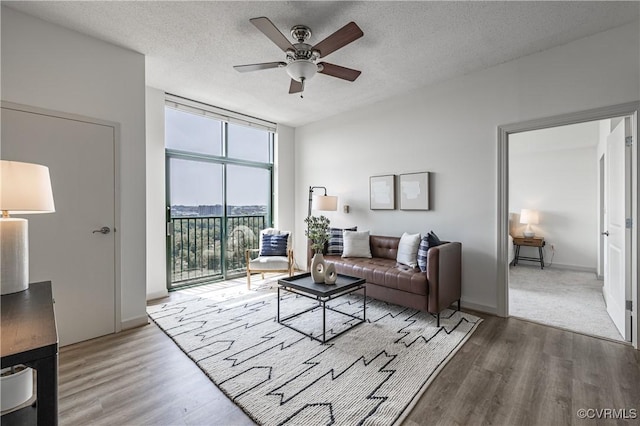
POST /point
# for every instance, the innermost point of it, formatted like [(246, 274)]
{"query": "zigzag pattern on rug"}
[(372, 374)]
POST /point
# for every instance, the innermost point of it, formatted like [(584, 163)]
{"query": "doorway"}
[(64, 247), (553, 182), (631, 280)]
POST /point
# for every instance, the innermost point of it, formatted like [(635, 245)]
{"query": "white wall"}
[(47, 66), (450, 129), (554, 171), (156, 195), (284, 184)]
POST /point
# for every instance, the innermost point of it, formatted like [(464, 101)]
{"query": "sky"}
[(200, 183)]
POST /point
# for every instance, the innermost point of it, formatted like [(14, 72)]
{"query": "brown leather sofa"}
[(432, 291)]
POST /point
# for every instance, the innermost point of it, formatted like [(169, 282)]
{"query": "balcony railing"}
[(198, 252)]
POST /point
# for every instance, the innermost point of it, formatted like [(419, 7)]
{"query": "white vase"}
[(317, 268), (15, 388), (330, 275)]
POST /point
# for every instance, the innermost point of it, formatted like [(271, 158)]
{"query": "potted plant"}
[(318, 232)]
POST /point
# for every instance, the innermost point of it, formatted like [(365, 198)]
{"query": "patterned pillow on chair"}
[(274, 245)]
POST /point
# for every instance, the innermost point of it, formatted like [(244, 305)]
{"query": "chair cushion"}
[(269, 263), (274, 245)]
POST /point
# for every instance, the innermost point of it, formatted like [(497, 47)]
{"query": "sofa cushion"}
[(408, 250), (384, 272), (428, 241), (335, 244), (423, 249), (356, 244), (433, 239), (384, 247)]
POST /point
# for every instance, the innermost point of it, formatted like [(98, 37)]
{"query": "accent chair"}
[(274, 254)]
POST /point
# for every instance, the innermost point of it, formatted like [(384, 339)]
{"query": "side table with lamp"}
[(28, 328), (529, 217), (529, 242)]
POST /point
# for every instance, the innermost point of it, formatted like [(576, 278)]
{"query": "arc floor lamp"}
[(321, 202)]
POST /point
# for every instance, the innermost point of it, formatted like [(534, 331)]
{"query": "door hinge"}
[(629, 305), (628, 223), (169, 229), (628, 141)]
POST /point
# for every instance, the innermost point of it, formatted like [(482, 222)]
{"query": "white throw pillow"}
[(356, 244), (408, 249)]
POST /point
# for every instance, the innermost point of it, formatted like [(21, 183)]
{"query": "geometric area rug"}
[(371, 375)]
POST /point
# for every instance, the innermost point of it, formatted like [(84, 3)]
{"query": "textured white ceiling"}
[(191, 47)]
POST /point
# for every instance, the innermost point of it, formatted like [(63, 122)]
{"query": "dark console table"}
[(29, 337)]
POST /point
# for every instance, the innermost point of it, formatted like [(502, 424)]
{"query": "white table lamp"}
[(25, 188), (528, 217)]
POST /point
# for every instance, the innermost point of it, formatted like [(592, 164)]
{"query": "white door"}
[(62, 246), (617, 271)]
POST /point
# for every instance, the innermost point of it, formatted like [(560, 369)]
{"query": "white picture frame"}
[(414, 191), (382, 192)]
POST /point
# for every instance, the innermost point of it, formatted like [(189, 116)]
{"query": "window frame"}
[(225, 117)]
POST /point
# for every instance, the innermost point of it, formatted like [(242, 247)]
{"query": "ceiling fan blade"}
[(271, 31), (257, 67), (295, 87), (339, 72), (339, 39)]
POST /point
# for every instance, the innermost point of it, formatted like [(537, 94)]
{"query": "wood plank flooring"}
[(510, 372)]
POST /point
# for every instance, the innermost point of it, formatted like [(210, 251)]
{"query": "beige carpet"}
[(568, 299)]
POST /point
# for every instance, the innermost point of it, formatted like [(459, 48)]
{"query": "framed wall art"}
[(414, 191), (382, 192)]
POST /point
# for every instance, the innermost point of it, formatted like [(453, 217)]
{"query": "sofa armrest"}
[(444, 275)]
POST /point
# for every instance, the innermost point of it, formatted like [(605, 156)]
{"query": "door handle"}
[(605, 233), (103, 230)]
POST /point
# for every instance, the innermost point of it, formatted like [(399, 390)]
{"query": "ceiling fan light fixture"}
[(302, 69), (302, 58)]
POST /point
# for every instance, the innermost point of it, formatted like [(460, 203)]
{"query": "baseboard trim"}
[(157, 294), (478, 307), (572, 268), (554, 265), (134, 322)]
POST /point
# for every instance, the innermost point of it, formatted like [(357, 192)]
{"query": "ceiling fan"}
[(301, 58)]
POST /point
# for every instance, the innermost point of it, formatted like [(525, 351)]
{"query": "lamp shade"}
[(528, 217), (25, 188), (325, 202)]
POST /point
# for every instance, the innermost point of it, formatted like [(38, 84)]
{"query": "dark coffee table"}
[(303, 285)]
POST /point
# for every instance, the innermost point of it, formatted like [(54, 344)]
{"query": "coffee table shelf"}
[(303, 285)]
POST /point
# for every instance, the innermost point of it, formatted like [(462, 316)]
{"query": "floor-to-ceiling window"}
[(219, 190)]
